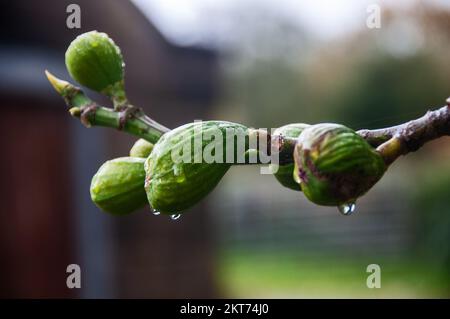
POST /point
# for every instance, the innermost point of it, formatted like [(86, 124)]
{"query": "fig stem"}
[(134, 122)]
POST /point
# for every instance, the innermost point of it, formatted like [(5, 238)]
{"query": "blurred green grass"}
[(362, 83), (275, 274), (422, 270)]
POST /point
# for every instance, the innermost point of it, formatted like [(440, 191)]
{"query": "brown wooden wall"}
[(46, 223), (36, 239)]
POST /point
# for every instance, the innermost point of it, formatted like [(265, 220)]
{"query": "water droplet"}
[(156, 213), (175, 216), (347, 209)]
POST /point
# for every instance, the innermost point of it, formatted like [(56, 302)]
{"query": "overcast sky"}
[(199, 21)]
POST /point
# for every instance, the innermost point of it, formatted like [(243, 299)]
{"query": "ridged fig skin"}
[(174, 186), (118, 186), (141, 148), (95, 61), (284, 173), (335, 165)]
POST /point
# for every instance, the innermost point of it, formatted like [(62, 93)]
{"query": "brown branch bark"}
[(402, 139)]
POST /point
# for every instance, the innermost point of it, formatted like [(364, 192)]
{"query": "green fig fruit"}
[(284, 172), (141, 148), (95, 61), (118, 186), (334, 165), (174, 184)]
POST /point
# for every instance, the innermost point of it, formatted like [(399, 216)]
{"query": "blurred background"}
[(263, 63)]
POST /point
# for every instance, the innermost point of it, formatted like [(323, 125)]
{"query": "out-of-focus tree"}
[(432, 205), (383, 77), (371, 78)]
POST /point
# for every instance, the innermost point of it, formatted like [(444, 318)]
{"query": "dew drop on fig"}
[(347, 209), (175, 216), (156, 213)]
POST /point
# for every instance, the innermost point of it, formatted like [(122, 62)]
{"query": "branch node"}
[(126, 112), (86, 112)]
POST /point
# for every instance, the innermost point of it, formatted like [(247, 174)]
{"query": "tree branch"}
[(391, 142), (409, 137)]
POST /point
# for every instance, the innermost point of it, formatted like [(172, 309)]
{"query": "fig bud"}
[(284, 172), (141, 148), (95, 61), (118, 186), (179, 172), (334, 165)]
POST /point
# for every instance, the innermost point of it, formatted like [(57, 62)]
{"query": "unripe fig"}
[(178, 173), (141, 148), (284, 172), (334, 165), (118, 186), (95, 61)]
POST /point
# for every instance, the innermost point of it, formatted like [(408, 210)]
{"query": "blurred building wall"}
[(48, 221)]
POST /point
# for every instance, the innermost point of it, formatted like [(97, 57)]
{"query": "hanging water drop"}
[(175, 216), (156, 213), (347, 209)]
